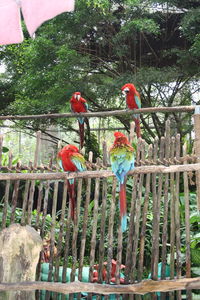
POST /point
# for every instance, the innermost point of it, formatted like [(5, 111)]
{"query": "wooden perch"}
[(126, 112), (142, 288), (99, 174)]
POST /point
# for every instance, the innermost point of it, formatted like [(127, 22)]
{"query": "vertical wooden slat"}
[(67, 235), (196, 117), (52, 236), (144, 220), (1, 148), (61, 232), (85, 223), (42, 228), (110, 233), (45, 204), (132, 132), (177, 217), (39, 203), (14, 199), (6, 201), (128, 263), (155, 249), (119, 256), (166, 208), (172, 214), (74, 241), (110, 230), (25, 199), (187, 223), (30, 201), (94, 225), (172, 219), (32, 187), (137, 217), (103, 218)]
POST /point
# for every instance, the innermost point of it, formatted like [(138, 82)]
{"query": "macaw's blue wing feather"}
[(79, 162), (86, 106), (60, 164), (138, 102)]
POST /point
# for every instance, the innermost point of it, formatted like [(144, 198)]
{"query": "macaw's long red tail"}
[(122, 199), (81, 131), (72, 199), (137, 127)]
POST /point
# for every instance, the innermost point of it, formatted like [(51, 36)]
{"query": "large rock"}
[(20, 247)]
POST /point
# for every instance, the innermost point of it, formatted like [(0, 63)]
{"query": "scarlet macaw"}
[(71, 160), (133, 101), (122, 161), (79, 105)]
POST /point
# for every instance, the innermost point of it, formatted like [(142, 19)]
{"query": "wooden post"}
[(197, 149)]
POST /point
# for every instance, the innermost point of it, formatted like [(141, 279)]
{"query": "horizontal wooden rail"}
[(142, 288), (99, 174), (146, 110)]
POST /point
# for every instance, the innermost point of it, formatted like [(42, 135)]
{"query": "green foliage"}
[(155, 47)]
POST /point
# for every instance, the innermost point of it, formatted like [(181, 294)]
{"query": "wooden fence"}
[(159, 196)]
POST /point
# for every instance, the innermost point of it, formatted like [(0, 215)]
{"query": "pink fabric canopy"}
[(35, 12)]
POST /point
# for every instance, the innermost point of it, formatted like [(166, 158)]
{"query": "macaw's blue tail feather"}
[(122, 199), (81, 131), (72, 200)]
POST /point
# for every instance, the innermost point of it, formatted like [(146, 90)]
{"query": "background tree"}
[(98, 48)]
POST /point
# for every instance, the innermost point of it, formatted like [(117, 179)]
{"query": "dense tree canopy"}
[(98, 48)]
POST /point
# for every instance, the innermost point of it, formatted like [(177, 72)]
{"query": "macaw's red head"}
[(120, 138), (127, 88), (77, 95), (67, 151)]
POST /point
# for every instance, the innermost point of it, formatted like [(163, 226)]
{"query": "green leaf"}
[(5, 149)]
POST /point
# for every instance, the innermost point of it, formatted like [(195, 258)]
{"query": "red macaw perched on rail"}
[(133, 101), (122, 161), (79, 105), (71, 160)]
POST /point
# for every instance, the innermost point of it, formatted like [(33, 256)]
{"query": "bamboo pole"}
[(165, 209), (110, 230), (39, 203), (137, 217), (52, 235), (172, 220), (7, 189), (85, 224), (103, 218), (1, 148), (125, 112), (100, 174), (14, 200), (142, 288), (187, 225), (144, 221), (67, 238), (32, 187), (94, 228), (155, 235), (177, 216), (74, 237), (197, 151), (61, 233)]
